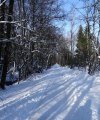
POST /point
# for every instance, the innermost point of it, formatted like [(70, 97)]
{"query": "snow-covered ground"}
[(59, 93)]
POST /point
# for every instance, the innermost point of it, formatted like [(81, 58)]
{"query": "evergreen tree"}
[(81, 51), (88, 37)]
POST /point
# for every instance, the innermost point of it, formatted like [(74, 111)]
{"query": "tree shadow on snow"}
[(61, 99), (82, 113), (75, 112)]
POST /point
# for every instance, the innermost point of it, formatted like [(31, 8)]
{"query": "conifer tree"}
[(88, 37), (81, 51)]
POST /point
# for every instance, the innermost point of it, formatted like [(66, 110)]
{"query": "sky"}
[(76, 8), (74, 13)]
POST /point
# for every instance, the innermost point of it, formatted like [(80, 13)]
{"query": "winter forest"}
[(45, 47)]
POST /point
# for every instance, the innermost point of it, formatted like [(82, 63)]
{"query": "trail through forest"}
[(60, 93)]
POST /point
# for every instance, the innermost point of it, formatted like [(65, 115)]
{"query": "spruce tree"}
[(81, 51), (88, 37)]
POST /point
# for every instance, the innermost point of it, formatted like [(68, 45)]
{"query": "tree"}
[(8, 45), (30, 36), (81, 51), (2, 31)]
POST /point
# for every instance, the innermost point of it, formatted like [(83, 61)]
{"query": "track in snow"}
[(58, 94)]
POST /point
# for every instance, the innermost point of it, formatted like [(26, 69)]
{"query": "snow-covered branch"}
[(12, 22), (2, 3)]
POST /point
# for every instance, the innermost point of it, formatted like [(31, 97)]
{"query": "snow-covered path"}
[(58, 94)]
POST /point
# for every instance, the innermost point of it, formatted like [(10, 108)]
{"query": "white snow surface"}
[(59, 93)]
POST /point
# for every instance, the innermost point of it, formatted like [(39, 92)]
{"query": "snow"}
[(99, 57), (2, 3), (60, 93)]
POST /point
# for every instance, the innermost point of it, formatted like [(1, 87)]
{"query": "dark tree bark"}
[(8, 46), (2, 18)]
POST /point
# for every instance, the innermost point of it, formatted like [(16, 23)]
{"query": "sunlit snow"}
[(60, 93)]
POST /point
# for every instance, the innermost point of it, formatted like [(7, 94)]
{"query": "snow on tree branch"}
[(2, 3)]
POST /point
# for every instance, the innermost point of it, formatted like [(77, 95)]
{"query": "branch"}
[(12, 22), (2, 3)]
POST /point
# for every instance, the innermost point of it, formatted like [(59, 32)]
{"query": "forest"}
[(31, 40), (49, 59)]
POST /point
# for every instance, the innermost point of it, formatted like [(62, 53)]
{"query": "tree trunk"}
[(2, 18), (8, 46)]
